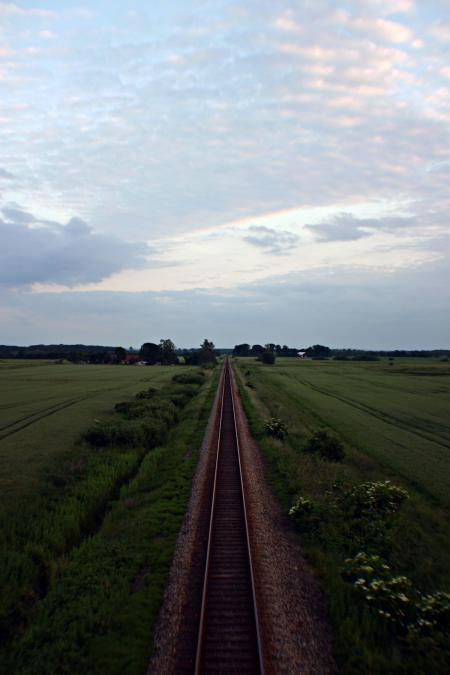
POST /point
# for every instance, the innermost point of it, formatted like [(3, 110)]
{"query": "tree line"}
[(165, 353), (322, 352), (257, 350)]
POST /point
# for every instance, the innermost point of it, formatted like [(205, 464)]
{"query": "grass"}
[(393, 424), (44, 406), (94, 540)]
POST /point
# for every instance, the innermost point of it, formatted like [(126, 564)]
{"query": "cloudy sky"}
[(267, 170)]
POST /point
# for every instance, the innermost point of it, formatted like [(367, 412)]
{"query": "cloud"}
[(277, 242), (345, 227), (387, 7), (60, 254), (18, 215), (6, 174), (389, 31), (11, 9), (191, 116), (441, 31), (400, 309)]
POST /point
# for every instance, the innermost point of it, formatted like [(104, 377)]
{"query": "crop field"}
[(45, 406), (96, 471), (392, 423), (399, 415)]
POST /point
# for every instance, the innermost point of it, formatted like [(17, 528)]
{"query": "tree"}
[(168, 352), (120, 353), (207, 356), (151, 353), (206, 344), (318, 351), (241, 350), (257, 350), (268, 357)]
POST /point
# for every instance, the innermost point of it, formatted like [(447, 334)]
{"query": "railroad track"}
[(228, 636)]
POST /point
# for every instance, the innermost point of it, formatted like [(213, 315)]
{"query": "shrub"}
[(181, 394), (189, 378), (304, 513), (276, 428), (129, 433), (379, 499), (131, 410), (433, 613), (147, 393), (388, 595), (326, 446), (394, 598), (370, 509), (139, 409), (112, 432), (268, 357)]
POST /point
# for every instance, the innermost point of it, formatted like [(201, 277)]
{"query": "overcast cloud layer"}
[(222, 168)]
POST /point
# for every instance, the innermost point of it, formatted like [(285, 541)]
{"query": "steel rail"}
[(227, 382), (210, 532), (247, 535)]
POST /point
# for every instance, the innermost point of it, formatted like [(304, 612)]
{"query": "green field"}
[(45, 406), (93, 496), (393, 422), (398, 415)]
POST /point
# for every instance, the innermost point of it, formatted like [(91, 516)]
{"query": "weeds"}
[(325, 446), (276, 427), (350, 517), (99, 614), (74, 496)]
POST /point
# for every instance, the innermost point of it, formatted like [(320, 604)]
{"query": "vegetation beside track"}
[(79, 601), (44, 407), (336, 512)]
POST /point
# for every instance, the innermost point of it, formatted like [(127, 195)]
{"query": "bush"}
[(132, 432), (112, 432), (395, 599), (189, 378), (379, 499), (131, 410), (141, 408), (305, 514), (370, 509), (433, 613), (268, 357), (326, 446), (388, 595), (147, 393), (181, 394), (276, 428)]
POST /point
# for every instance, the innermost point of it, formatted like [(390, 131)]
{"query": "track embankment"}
[(291, 629)]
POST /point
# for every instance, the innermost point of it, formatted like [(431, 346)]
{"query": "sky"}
[(259, 171)]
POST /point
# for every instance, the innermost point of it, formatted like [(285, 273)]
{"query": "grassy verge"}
[(409, 536), (103, 592)]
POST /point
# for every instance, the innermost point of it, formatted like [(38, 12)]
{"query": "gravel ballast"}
[(295, 632)]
